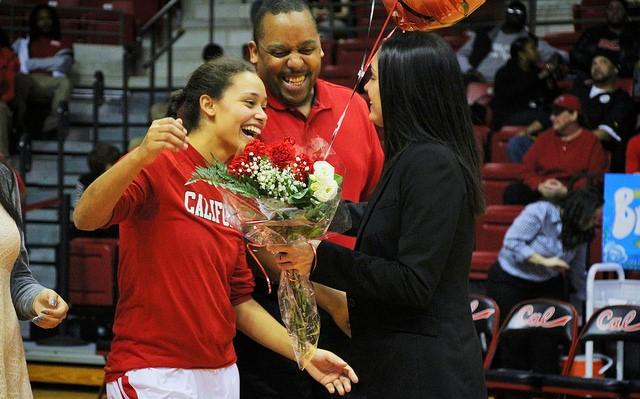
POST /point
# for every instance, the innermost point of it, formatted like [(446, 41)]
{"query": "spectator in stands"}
[(544, 252), (179, 329), (523, 89), (338, 10), (21, 295), (100, 159), (9, 67), (212, 51), (617, 34), (45, 62), (607, 111), (287, 54), (561, 157), (488, 50), (407, 279)]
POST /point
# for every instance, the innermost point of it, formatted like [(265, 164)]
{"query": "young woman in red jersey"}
[(183, 279)]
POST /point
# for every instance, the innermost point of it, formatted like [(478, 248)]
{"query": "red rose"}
[(255, 148), (283, 154)]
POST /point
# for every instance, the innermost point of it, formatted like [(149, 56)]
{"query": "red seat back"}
[(496, 177), (493, 225), (500, 140), (92, 264)]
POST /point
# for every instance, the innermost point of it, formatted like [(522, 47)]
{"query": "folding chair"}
[(616, 323), (536, 317), (486, 318)]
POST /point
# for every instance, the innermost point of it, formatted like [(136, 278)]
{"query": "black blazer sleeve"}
[(431, 196)]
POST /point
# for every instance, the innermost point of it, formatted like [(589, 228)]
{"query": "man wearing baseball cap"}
[(563, 157), (608, 110), (617, 34)]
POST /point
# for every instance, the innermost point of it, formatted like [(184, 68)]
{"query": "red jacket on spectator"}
[(551, 157), (9, 67)]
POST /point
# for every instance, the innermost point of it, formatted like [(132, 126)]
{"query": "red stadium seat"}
[(496, 177), (500, 140), (626, 85), (92, 264), (481, 262), (456, 41), (493, 225), (562, 40), (340, 74), (351, 51)]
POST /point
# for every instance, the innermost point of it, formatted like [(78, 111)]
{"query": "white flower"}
[(326, 190), (323, 171)]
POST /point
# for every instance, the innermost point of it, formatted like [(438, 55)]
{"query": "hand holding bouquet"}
[(277, 195)]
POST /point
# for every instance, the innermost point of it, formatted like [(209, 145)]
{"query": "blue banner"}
[(621, 220)]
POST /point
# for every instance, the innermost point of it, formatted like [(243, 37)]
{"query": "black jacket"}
[(407, 282)]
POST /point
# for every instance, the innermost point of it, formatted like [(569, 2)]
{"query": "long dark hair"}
[(34, 31), (7, 185), (423, 100), (211, 78), (577, 211)]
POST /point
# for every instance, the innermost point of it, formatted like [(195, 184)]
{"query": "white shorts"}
[(161, 383)]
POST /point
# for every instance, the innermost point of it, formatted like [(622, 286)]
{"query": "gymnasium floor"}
[(43, 391)]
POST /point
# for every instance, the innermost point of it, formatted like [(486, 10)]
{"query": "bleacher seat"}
[(340, 74), (92, 263), (581, 11), (500, 140), (626, 85), (351, 51), (481, 134), (493, 225), (329, 50), (481, 262), (496, 177), (456, 41), (562, 40), (536, 317), (489, 233), (608, 324), (486, 319)]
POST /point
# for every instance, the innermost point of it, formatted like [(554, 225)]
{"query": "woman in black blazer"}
[(407, 279)]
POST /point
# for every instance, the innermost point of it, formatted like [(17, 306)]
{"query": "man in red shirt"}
[(287, 54), (45, 63), (561, 157), (9, 66)]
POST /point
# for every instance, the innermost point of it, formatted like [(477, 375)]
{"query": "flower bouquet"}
[(277, 195)]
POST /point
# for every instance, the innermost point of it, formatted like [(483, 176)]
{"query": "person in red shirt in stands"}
[(183, 279), (45, 62), (560, 157), (9, 66), (287, 54)]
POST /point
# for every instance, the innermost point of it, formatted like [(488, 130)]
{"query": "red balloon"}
[(428, 15)]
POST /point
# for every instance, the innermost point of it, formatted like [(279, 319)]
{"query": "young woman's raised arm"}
[(95, 207)]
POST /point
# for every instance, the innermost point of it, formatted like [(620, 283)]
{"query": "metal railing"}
[(159, 24)]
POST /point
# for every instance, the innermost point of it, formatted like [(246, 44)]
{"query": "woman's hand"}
[(332, 372), (555, 262), (50, 309), (299, 257), (163, 134)]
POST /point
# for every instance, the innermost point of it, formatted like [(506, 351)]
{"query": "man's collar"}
[(318, 101)]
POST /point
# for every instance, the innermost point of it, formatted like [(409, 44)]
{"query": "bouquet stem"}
[(300, 314)]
